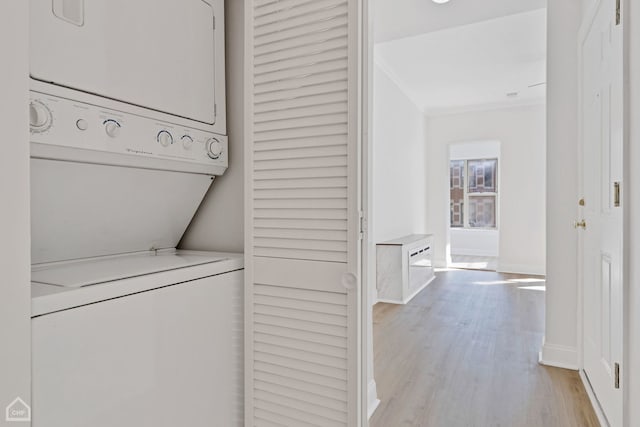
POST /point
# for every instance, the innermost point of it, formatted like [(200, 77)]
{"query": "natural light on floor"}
[(527, 280)]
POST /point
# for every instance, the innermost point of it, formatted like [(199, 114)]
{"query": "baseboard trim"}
[(521, 269), (558, 356), (593, 399), (372, 401), (440, 263), (473, 252)]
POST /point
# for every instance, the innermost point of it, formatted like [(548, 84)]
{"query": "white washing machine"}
[(127, 134), (149, 339)]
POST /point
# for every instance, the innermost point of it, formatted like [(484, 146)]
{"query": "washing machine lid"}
[(78, 274), (154, 54)]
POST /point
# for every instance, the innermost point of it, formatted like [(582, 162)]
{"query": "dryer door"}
[(154, 54)]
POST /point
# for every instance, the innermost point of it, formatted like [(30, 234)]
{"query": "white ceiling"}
[(472, 66), (395, 19)]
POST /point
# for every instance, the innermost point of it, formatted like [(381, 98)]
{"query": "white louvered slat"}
[(305, 379), (304, 214), (331, 108), (301, 122), (302, 254), (307, 132), (302, 152), (285, 12), (301, 193), (301, 162), (305, 59), (308, 39), (302, 336), (282, 233), (301, 81), (264, 7), (302, 395), (285, 94), (303, 210), (334, 182), (297, 73), (295, 103), (301, 31), (318, 411), (291, 22), (308, 142)]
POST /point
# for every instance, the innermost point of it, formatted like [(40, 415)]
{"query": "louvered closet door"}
[(302, 254)]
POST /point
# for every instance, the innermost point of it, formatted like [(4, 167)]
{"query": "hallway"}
[(464, 353)]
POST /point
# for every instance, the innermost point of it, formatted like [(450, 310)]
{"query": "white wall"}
[(485, 243), (521, 132), (219, 223), (15, 263), (399, 181), (561, 331)]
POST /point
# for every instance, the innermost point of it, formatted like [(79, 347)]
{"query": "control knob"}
[(112, 128), (187, 142), (40, 117), (214, 148), (165, 138)]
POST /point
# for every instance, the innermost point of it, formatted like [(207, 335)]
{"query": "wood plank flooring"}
[(464, 353)]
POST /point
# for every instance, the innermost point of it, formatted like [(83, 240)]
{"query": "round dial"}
[(187, 142), (214, 148), (82, 124), (165, 138), (40, 118), (112, 128)]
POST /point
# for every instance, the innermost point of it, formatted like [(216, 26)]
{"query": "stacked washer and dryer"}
[(127, 134)]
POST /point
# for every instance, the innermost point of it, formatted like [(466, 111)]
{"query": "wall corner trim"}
[(558, 356)]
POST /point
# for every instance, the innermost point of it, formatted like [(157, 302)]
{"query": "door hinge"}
[(215, 110), (363, 224), (616, 383), (616, 194), (214, 22), (618, 13)]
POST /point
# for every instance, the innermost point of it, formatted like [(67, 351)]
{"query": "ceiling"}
[(395, 19), (472, 66)]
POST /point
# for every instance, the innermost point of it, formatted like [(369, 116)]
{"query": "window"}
[(474, 193)]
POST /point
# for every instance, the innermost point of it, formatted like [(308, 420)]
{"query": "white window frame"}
[(468, 195)]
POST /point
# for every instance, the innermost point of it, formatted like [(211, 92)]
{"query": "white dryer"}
[(127, 135)]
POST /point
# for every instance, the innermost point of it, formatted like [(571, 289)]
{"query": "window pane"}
[(482, 176), (482, 211), (457, 193)]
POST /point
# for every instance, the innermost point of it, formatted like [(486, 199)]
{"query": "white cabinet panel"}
[(168, 357)]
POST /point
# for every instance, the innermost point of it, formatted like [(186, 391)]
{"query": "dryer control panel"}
[(61, 122)]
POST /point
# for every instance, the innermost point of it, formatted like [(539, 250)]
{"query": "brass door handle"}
[(580, 224)]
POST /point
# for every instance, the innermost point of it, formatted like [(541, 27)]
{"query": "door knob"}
[(580, 224), (349, 281)]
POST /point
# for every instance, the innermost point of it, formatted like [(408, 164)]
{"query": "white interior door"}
[(302, 207), (602, 237)]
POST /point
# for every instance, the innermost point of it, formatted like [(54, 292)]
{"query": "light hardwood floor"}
[(464, 353)]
